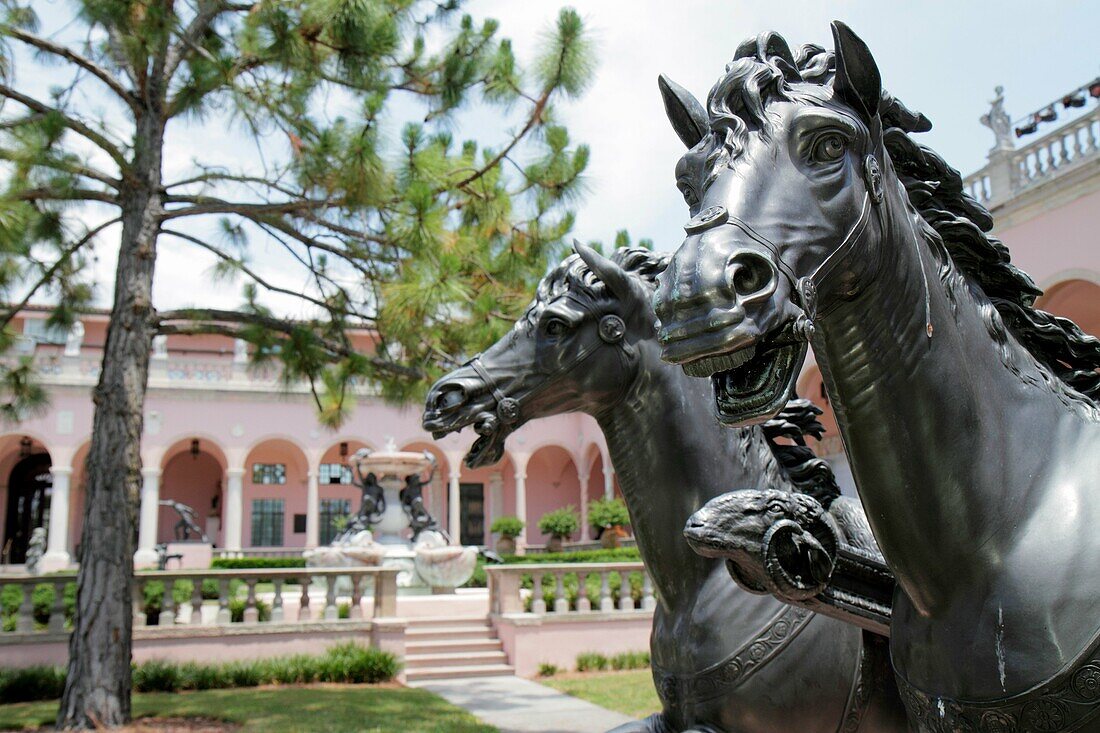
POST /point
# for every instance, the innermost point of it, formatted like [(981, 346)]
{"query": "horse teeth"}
[(709, 365)]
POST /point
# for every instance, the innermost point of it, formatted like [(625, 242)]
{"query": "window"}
[(299, 524), (267, 522), (332, 510), (335, 473), (471, 514), (269, 473), (43, 333)]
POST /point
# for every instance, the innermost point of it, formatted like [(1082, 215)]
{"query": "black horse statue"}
[(969, 417), (724, 660), (412, 501)]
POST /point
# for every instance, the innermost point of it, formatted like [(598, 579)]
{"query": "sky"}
[(941, 58)]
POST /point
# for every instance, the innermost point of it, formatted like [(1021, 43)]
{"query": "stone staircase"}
[(452, 648)]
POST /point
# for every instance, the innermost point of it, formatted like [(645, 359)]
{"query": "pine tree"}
[(431, 243)]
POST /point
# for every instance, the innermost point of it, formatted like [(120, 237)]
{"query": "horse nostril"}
[(751, 274)]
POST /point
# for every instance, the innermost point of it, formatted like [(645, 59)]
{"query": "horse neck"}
[(933, 426), (671, 458)]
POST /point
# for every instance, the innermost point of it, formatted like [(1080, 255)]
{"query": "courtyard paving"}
[(516, 705)]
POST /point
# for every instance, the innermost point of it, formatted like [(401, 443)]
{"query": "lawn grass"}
[(631, 693), (306, 709)]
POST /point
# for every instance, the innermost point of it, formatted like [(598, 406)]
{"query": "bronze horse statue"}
[(970, 418), (724, 660)]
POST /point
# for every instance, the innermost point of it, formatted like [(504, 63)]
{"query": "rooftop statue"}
[(997, 120), (723, 659), (970, 418)]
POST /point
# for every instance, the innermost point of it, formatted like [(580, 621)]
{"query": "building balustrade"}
[(212, 598), (569, 588), (1010, 172)]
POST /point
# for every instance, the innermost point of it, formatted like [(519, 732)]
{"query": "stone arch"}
[(78, 493), (1076, 298), (553, 482), (25, 461), (274, 496), (193, 474)]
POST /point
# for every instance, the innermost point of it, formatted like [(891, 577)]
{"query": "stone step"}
[(447, 646), (443, 633), (444, 673), (428, 622), (459, 659)]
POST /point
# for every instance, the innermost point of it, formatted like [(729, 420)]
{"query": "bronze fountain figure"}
[(723, 660), (970, 418)]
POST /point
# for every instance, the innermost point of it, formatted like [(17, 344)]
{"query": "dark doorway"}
[(28, 503), (471, 514)]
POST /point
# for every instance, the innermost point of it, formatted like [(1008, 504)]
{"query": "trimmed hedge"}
[(347, 662), (621, 554), (596, 662), (257, 563)]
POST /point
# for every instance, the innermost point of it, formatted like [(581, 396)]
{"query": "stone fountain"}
[(392, 527)]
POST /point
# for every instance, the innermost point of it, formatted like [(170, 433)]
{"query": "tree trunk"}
[(97, 688)]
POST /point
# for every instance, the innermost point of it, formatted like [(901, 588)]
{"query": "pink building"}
[(250, 457), (1045, 201)]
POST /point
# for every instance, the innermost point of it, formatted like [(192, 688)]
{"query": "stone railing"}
[(1011, 172), (569, 588), (259, 552), (214, 597)]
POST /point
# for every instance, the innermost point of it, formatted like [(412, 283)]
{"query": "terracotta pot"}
[(506, 546), (555, 544), (611, 537)]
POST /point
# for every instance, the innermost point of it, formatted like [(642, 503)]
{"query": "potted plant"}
[(560, 524), (610, 517), (508, 528)]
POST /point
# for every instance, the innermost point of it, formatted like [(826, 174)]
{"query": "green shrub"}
[(157, 676), (343, 610), (630, 660), (42, 598), (621, 554), (560, 522), (591, 662), (348, 662), (31, 683), (237, 606), (608, 513), (351, 662), (257, 563), (546, 669), (510, 527)]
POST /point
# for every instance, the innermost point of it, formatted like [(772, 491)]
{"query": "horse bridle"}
[(806, 289), (612, 331)]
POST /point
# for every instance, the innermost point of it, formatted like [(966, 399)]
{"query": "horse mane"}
[(806, 472), (572, 275), (764, 70)]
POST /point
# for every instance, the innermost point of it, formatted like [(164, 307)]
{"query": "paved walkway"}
[(516, 705)]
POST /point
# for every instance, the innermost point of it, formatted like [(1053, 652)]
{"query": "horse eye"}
[(689, 195), (556, 327), (829, 148), (775, 507)]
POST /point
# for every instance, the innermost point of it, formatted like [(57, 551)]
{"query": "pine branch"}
[(104, 75), (73, 194), (63, 166), (47, 276), (204, 205), (259, 279), (73, 124), (207, 13), (198, 317)]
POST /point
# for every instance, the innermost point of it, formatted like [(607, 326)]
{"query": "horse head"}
[(775, 542), (577, 348), (791, 191)]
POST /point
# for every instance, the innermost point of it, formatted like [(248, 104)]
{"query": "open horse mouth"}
[(444, 419), (753, 383)]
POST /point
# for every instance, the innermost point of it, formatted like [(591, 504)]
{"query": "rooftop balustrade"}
[(1011, 172)]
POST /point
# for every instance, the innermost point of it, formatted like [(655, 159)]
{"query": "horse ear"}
[(609, 273), (684, 111), (857, 79)]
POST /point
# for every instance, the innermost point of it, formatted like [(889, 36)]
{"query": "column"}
[(57, 538), (608, 479), (313, 510), (454, 507), (146, 555), (583, 476), (521, 500), (234, 509)]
